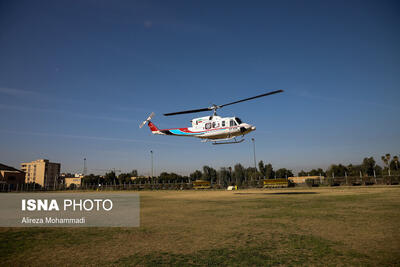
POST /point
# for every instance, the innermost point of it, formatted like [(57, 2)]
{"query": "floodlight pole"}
[(84, 167), (254, 152), (152, 171)]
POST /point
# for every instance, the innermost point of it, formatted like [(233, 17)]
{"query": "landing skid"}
[(229, 142)]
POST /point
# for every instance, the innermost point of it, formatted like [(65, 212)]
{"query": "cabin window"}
[(208, 126), (232, 123), (214, 124), (223, 123)]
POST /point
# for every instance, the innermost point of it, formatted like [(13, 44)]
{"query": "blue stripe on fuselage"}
[(177, 131)]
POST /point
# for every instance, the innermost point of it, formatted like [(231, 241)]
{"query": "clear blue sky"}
[(77, 78)]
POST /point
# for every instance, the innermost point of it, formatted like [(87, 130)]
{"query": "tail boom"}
[(154, 129)]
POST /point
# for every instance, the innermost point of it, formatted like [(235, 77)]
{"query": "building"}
[(302, 179), (133, 178), (201, 184), (77, 181), (276, 183), (11, 176), (42, 172)]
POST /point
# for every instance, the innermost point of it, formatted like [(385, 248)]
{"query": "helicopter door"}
[(232, 123)]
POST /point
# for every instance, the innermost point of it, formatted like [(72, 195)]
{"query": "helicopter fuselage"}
[(209, 127)]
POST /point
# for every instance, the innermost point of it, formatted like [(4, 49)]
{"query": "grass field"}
[(307, 226)]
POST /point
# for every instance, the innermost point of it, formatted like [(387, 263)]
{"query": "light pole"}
[(254, 152), (84, 167), (152, 172)]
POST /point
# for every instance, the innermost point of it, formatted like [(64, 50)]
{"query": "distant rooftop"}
[(8, 168)]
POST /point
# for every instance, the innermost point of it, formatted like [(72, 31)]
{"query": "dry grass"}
[(309, 226)]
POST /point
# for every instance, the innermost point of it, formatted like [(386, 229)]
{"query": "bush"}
[(312, 182)]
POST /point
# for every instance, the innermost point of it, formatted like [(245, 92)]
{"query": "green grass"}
[(348, 227), (307, 250)]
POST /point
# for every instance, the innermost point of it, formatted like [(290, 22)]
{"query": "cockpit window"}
[(239, 121)]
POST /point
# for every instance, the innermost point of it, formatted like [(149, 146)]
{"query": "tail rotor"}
[(147, 120)]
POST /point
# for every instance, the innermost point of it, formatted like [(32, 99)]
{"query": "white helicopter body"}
[(210, 128)]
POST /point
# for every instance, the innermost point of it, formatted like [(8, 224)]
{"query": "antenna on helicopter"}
[(214, 107)]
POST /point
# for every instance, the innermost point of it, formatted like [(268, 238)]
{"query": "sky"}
[(78, 77)]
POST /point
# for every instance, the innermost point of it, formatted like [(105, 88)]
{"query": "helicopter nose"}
[(253, 128)]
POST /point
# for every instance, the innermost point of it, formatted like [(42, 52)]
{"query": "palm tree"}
[(383, 158), (396, 161), (386, 161)]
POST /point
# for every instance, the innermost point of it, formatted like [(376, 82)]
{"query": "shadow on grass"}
[(280, 193), (303, 250)]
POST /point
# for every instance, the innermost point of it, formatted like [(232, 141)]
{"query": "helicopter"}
[(218, 130)]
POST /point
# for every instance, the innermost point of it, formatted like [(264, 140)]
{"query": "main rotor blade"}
[(187, 111), (214, 107), (250, 98)]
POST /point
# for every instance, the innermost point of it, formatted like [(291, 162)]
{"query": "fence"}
[(153, 185)]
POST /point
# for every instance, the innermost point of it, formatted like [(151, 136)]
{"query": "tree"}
[(251, 174), (386, 161), (284, 173), (134, 173), (378, 170), (317, 172), (352, 170), (164, 176), (196, 175), (124, 178), (394, 165), (368, 166), (337, 170), (209, 174), (302, 173), (224, 176), (72, 186), (238, 173), (262, 168), (269, 171), (92, 179), (170, 177), (110, 177)]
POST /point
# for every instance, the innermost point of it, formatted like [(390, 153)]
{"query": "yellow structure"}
[(302, 179), (139, 177), (201, 184), (42, 172), (275, 183), (73, 180)]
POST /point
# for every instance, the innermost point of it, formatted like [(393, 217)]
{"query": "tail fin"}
[(147, 120), (152, 127)]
